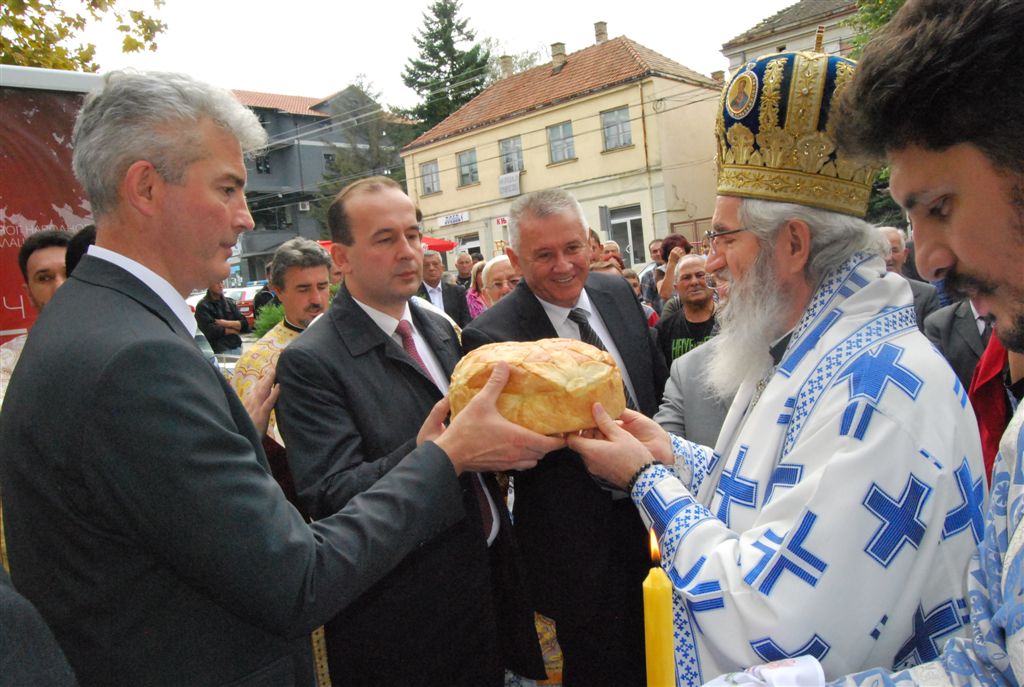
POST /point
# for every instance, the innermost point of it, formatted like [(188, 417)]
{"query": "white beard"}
[(749, 322)]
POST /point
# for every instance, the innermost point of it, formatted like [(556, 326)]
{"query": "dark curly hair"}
[(671, 241), (940, 73)]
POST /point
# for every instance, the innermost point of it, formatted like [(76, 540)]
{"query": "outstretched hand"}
[(479, 439), (612, 452)]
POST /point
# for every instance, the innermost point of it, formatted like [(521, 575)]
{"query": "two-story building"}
[(794, 28), (628, 131)]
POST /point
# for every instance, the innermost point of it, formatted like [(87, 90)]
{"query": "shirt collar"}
[(160, 286), (557, 313), (387, 323)]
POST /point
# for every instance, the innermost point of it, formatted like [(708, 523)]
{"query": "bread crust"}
[(552, 387)]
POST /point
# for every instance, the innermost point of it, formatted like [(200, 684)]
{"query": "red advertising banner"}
[(37, 187)]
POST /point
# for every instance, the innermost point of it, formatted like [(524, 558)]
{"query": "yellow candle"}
[(661, 660)]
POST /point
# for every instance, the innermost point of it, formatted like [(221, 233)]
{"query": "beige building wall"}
[(620, 178)]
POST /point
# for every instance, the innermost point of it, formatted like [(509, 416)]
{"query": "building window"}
[(511, 154), (560, 142), (615, 124), (430, 177), (262, 164), (467, 168), (329, 160)]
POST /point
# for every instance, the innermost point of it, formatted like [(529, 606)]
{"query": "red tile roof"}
[(294, 104), (802, 13), (595, 68)]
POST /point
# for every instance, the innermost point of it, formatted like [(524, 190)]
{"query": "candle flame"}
[(655, 551)]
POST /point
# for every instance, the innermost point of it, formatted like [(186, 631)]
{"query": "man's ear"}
[(339, 254), (793, 247), (143, 188), (513, 258)]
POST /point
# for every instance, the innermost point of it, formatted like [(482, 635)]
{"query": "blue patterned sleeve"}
[(692, 462)]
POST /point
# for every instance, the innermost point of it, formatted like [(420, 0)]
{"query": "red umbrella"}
[(440, 245)]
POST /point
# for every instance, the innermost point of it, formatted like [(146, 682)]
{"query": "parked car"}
[(242, 296)]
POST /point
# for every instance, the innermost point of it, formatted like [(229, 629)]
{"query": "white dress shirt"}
[(435, 294)]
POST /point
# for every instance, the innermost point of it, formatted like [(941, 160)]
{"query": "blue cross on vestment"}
[(700, 596), (928, 629), (871, 373), (780, 556), (968, 513), (784, 475), (901, 522), (732, 487), (768, 650)]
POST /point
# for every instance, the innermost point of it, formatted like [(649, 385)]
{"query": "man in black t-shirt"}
[(220, 320), (694, 323)]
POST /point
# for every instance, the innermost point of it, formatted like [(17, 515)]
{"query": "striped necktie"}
[(588, 335)]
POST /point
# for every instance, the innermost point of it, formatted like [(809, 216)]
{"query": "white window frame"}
[(560, 145), (469, 174), (430, 177), (511, 153), (616, 128)]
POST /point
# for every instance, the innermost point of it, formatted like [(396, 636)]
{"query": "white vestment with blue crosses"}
[(838, 512), (993, 652)]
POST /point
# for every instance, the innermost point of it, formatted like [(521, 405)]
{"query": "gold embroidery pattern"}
[(768, 119), (794, 162)]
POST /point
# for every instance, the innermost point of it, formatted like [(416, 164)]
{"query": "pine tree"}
[(444, 75)]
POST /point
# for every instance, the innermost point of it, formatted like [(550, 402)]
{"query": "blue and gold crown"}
[(775, 139)]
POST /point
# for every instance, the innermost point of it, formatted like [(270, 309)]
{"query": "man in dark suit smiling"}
[(586, 549)]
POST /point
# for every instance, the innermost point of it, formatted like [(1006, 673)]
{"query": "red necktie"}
[(409, 344), (486, 516)]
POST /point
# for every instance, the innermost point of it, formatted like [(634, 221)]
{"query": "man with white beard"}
[(837, 513)]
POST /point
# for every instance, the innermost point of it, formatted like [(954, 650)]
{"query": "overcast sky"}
[(314, 47)]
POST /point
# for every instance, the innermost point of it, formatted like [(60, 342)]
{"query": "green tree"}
[(871, 15), (37, 33), (369, 139), (450, 69), (521, 61)]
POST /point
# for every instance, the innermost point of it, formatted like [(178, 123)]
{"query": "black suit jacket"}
[(454, 298), (141, 518), (926, 300), (586, 554), (954, 331), (454, 612), (29, 655)]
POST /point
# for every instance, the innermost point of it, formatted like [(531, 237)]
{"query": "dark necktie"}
[(486, 516), (588, 335)]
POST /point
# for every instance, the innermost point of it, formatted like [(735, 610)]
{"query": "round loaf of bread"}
[(552, 386)]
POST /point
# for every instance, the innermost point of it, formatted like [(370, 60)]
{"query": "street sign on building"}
[(454, 218)]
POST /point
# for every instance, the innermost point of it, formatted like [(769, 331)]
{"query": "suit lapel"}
[(99, 272), (533, 321), (618, 327), (439, 338), (967, 327), (361, 335)]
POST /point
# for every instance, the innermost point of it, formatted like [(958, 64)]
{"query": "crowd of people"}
[(832, 463)]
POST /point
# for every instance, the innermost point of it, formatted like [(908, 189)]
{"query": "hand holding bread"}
[(480, 439), (552, 387)]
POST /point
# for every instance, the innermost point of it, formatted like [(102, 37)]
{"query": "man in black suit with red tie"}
[(585, 547), (355, 388)]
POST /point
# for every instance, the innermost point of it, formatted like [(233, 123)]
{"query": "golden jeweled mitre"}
[(774, 134)]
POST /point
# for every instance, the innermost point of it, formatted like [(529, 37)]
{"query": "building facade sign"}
[(454, 218)]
